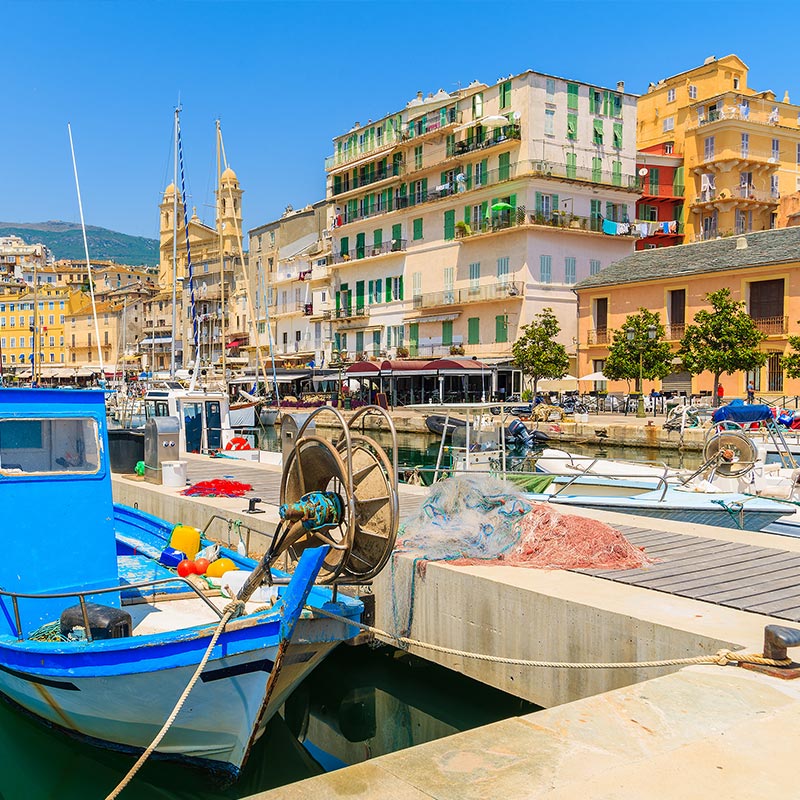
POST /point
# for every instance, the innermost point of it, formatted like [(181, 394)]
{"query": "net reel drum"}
[(340, 493), (731, 454)]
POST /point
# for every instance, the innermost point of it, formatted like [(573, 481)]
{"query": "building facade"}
[(760, 269), (458, 218), (740, 148)]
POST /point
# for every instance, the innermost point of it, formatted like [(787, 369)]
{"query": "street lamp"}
[(630, 334)]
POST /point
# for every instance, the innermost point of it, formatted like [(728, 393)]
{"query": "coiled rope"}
[(721, 657), (233, 609)]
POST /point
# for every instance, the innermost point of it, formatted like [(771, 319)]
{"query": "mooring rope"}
[(721, 657), (233, 609)]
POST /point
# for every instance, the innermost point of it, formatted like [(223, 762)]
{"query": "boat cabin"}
[(57, 503), (204, 416)]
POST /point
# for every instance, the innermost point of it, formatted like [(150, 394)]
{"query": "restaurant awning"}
[(457, 365), (363, 368), (406, 368)]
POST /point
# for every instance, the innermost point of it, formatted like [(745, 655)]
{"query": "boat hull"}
[(107, 703)]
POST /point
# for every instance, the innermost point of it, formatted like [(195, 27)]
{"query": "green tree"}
[(791, 361), (722, 339), (645, 355), (537, 353)]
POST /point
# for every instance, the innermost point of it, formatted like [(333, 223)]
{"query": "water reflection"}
[(358, 704)]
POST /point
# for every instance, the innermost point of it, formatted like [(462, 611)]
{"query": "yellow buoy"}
[(186, 539), (216, 569)]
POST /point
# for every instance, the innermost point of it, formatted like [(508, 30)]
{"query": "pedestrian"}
[(751, 392), (720, 394)]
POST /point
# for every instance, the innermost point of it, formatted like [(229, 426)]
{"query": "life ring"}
[(238, 443)]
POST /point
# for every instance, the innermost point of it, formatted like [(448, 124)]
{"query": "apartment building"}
[(289, 261), (17, 257), (458, 218), (739, 147)]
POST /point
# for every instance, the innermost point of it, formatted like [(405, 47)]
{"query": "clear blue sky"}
[(285, 78)]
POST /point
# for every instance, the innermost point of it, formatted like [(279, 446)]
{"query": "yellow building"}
[(24, 316), (740, 147), (214, 252)]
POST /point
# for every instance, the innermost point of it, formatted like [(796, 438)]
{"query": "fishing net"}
[(477, 519), (219, 487)]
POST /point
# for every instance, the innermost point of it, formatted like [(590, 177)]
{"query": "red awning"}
[(235, 343), (406, 367), (457, 365), (363, 368)]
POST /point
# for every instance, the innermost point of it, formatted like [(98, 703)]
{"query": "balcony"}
[(370, 251), (367, 178), (320, 272), (291, 308), (503, 290), (347, 312), (758, 112), (388, 139), (661, 191), (733, 158), (740, 197), (434, 122), (674, 333), (502, 135), (599, 336), (659, 231), (772, 326), (563, 171)]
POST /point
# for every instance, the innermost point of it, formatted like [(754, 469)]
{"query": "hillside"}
[(65, 240)]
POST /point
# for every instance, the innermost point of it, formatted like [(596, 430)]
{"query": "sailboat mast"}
[(88, 262), (174, 249), (221, 254)]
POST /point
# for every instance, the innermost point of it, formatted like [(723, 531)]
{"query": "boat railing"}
[(82, 594), (661, 480)]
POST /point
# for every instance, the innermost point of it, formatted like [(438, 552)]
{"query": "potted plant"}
[(463, 229), (402, 352), (456, 349)]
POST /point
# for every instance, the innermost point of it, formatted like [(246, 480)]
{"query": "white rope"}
[(721, 657), (232, 609)]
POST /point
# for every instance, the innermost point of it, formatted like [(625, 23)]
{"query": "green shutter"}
[(594, 208), (424, 189), (417, 228), (572, 165), (449, 225), (413, 338), (447, 333), (371, 292), (468, 174), (360, 296), (401, 293), (467, 214), (337, 184), (443, 179), (572, 126), (607, 104), (485, 170), (618, 135), (360, 244), (539, 203), (397, 232), (597, 170), (377, 237), (616, 173), (344, 245), (572, 96), (592, 104), (609, 210), (484, 211), (473, 330), (598, 132), (500, 328), (555, 202), (450, 147), (503, 170), (677, 182), (376, 342), (388, 290)]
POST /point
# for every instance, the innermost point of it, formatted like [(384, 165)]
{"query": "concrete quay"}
[(604, 733)]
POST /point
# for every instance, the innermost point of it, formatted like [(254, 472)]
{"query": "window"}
[(670, 95), (616, 173), (570, 269), (501, 328), (692, 92), (774, 373), (594, 266), (797, 157), (504, 165), (597, 134), (668, 124), (597, 169), (550, 126), (417, 228), (648, 213), (502, 270), (572, 127), (474, 276), (767, 300), (474, 330), (595, 101), (505, 94), (617, 135), (776, 149), (572, 165), (773, 187), (745, 144), (449, 225), (550, 89), (572, 96), (418, 157), (50, 445), (708, 148), (545, 269), (477, 105), (736, 83)]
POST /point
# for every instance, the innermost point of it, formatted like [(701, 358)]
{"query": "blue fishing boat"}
[(99, 638)]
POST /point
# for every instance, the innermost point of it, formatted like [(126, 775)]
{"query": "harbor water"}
[(360, 703)]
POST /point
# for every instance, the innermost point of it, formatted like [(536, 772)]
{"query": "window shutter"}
[(597, 171), (468, 174), (484, 210), (388, 290), (400, 284), (360, 244), (504, 166), (424, 189), (397, 232), (449, 225), (572, 126), (371, 292), (378, 290), (418, 228), (572, 165), (447, 333), (467, 214), (473, 330), (500, 329), (618, 135), (555, 203), (609, 211), (598, 131), (594, 208), (538, 202), (572, 96), (344, 245), (377, 237), (677, 182)]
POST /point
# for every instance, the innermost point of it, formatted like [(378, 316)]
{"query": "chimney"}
[(741, 243), (419, 95), (620, 86)]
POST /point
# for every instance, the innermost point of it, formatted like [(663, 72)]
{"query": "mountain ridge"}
[(65, 240)]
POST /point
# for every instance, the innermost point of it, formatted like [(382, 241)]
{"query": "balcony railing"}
[(674, 333), (772, 325), (485, 348), (368, 251), (349, 183), (502, 290), (500, 135), (659, 231), (555, 169), (599, 336), (661, 190), (761, 113), (738, 154), (389, 137), (292, 307), (347, 312), (770, 197), (431, 123)]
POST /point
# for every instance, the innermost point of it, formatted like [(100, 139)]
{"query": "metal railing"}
[(349, 183), (82, 594), (388, 138), (738, 154), (772, 325), (598, 336), (417, 127), (346, 312), (661, 190), (371, 250), (503, 134), (502, 290), (758, 112), (558, 169), (674, 333)]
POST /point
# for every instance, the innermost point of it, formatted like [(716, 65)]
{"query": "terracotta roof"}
[(717, 255)]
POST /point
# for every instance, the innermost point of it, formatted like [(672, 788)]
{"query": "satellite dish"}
[(515, 116)]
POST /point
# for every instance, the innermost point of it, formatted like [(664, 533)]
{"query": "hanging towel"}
[(665, 227), (623, 228), (609, 227), (643, 229), (673, 227)]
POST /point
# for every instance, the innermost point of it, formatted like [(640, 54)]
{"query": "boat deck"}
[(747, 577)]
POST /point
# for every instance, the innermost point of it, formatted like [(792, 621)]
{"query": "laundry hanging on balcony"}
[(612, 228)]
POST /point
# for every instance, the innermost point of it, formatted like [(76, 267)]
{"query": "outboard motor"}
[(520, 433)]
